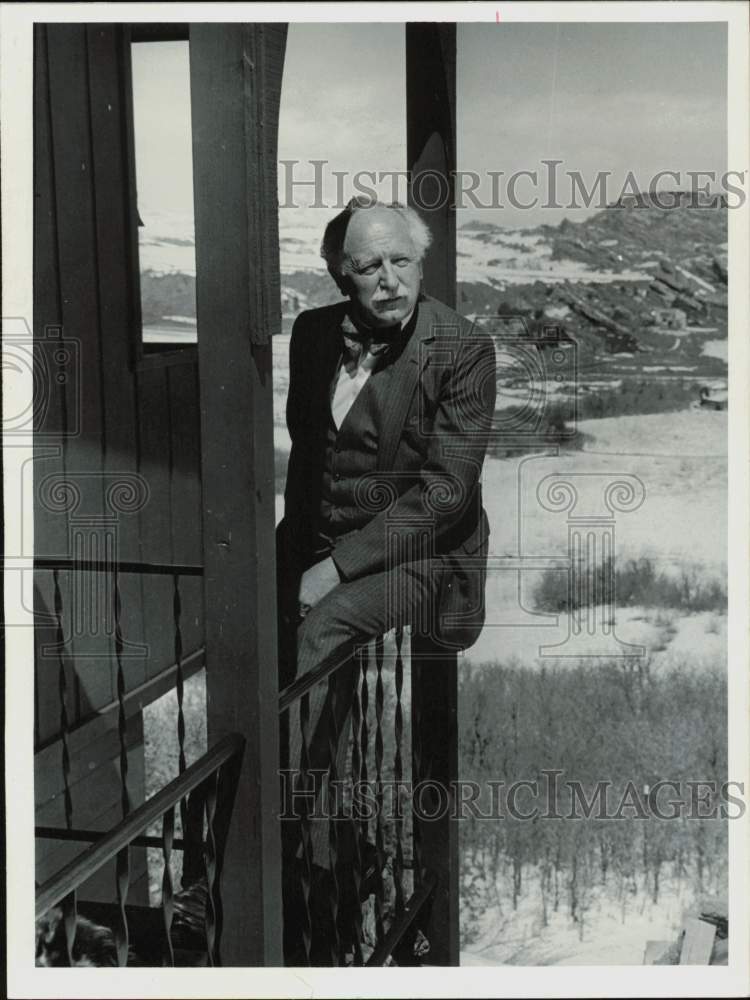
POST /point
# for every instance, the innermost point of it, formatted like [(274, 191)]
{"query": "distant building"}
[(672, 319), (714, 397)]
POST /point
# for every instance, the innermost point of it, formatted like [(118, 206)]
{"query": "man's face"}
[(380, 270)]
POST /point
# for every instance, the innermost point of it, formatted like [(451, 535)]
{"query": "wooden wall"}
[(116, 418)]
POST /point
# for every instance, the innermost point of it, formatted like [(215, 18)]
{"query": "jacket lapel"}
[(405, 378), (331, 341)]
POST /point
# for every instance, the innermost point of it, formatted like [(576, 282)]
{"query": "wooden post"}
[(431, 152), (235, 73), (435, 741), (431, 147)]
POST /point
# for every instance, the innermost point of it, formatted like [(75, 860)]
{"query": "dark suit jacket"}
[(430, 454)]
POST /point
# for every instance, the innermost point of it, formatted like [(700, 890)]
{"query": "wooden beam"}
[(431, 150), (166, 32), (235, 73), (431, 146)]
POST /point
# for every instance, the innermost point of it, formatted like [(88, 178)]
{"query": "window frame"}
[(155, 355)]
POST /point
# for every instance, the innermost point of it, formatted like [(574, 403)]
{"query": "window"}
[(163, 166)]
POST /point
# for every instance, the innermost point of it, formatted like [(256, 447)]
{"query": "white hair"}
[(332, 246)]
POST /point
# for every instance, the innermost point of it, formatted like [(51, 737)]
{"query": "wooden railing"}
[(207, 789), (132, 832), (374, 902), (172, 677)]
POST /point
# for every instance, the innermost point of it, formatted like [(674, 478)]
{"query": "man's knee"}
[(327, 623), (350, 615), (337, 612)]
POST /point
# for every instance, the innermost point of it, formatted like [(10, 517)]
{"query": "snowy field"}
[(614, 929), (680, 459)]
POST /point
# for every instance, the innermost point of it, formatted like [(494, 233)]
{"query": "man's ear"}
[(342, 282)]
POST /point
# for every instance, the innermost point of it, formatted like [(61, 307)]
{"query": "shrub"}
[(552, 430), (631, 397), (635, 582)]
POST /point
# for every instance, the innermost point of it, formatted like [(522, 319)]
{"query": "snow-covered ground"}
[(697, 638), (613, 930), (510, 256), (500, 256), (166, 241), (717, 349), (680, 461)]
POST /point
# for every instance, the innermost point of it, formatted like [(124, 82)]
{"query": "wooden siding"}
[(114, 418), (127, 420)]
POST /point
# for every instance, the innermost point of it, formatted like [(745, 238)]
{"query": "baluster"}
[(416, 774), (305, 831), (192, 832), (62, 687), (364, 744), (211, 887), (355, 738), (379, 842), (122, 863), (398, 773), (357, 846), (364, 734), (167, 893), (333, 835), (179, 687), (122, 721), (70, 924), (122, 931)]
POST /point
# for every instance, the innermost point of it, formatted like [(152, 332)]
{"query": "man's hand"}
[(318, 581)]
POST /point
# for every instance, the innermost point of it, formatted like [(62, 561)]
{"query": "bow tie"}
[(359, 356), (359, 340)]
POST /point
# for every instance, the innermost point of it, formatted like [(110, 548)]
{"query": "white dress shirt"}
[(357, 365)]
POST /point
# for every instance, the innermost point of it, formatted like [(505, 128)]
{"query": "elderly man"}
[(391, 396)]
